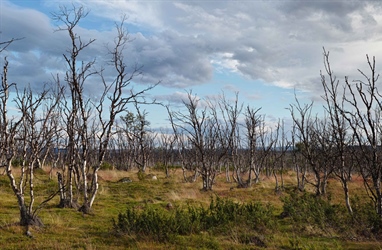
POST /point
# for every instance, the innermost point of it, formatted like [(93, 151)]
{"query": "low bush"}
[(159, 224), (141, 175), (309, 210), (107, 166), (369, 223)]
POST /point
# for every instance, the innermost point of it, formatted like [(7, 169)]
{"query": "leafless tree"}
[(78, 109), (114, 96), (252, 121), (299, 163), (325, 154), (183, 148), (9, 127), (27, 136), (36, 132), (203, 134), (142, 137), (81, 108), (259, 144), (302, 127), (123, 147), (229, 134), (311, 133), (167, 142), (363, 116), (339, 128), (278, 154)]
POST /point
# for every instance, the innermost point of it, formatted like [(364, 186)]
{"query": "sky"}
[(266, 51)]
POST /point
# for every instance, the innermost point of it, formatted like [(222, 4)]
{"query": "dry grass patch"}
[(113, 175)]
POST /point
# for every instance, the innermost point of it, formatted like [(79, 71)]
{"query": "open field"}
[(69, 229)]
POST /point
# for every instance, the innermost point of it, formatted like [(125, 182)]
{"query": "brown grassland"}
[(69, 229)]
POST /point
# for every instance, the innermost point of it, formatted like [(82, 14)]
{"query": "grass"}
[(69, 229)]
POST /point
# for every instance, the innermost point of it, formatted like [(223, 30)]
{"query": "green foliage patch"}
[(368, 222), (161, 225), (316, 215), (106, 166)]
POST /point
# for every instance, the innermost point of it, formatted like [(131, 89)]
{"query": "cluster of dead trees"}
[(212, 137), (347, 138), (61, 126)]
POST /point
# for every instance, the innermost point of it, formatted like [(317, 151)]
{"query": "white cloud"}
[(183, 43)]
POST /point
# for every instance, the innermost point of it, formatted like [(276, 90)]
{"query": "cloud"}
[(184, 43), (176, 59), (176, 97), (177, 100), (33, 26)]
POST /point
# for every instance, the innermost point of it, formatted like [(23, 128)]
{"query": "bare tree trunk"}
[(345, 187), (31, 188), (95, 187), (277, 188), (227, 174), (24, 218), (282, 175), (250, 177), (61, 189)]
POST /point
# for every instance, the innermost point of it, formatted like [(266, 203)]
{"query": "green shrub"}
[(162, 167), (107, 166), (309, 210), (159, 166), (141, 175), (160, 224), (225, 212), (17, 162), (368, 222), (148, 222), (312, 210)]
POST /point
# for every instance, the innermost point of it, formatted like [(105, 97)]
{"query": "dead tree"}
[(278, 154), (123, 146), (166, 150), (183, 149), (202, 133), (114, 96), (9, 128), (24, 137), (35, 134), (311, 141), (339, 135), (79, 107), (363, 116), (229, 135), (252, 123), (325, 148), (142, 140), (299, 164), (259, 145)]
